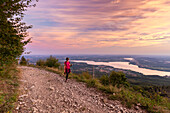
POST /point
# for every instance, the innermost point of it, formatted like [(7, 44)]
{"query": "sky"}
[(124, 27)]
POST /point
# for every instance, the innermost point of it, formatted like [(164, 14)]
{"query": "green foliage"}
[(129, 96), (40, 63), (52, 62), (156, 93), (107, 89), (12, 30), (104, 80), (86, 75), (117, 78), (49, 62), (12, 41), (23, 61), (91, 83), (1, 99), (79, 78), (8, 90)]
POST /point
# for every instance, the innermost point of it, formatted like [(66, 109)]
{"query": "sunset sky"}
[(140, 27)]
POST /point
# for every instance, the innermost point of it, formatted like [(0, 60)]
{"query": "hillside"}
[(43, 91)]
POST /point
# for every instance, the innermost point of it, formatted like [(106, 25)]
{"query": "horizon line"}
[(93, 55)]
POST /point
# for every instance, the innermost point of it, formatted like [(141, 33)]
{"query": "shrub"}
[(113, 97), (109, 89), (78, 78), (23, 61), (86, 75), (52, 62), (117, 78), (127, 95), (40, 63), (91, 83), (104, 80)]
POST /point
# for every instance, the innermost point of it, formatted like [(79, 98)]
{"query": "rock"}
[(35, 110), (32, 87), (111, 106), (51, 88), (25, 95), (104, 100), (65, 111), (137, 107), (119, 112), (18, 107), (51, 94), (138, 104)]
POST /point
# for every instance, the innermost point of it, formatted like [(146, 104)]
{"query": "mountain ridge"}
[(43, 91)]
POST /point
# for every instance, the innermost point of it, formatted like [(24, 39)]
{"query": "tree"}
[(104, 80), (40, 62), (52, 62), (117, 78), (12, 30), (23, 61)]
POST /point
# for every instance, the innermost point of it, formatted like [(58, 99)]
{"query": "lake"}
[(127, 66)]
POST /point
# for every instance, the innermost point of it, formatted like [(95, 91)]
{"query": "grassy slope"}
[(8, 88), (127, 96)]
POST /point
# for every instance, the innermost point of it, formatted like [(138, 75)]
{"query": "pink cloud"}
[(87, 24)]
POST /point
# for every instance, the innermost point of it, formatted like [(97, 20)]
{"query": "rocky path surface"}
[(46, 92)]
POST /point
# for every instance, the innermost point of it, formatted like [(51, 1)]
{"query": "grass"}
[(127, 95), (8, 88), (91, 83)]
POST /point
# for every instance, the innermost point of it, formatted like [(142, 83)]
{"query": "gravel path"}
[(46, 92)]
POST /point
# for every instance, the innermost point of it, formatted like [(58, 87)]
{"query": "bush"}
[(129, 96), (40, 62), (117, 78), (86, 75), (23, 61), (113, 97), (104, 80), (109, 89), (91, 83), (52, 62), (79, 78)]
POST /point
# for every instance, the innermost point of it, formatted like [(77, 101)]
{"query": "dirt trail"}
[(46, 92)]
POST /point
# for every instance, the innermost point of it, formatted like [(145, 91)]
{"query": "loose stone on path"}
[(46, 92)]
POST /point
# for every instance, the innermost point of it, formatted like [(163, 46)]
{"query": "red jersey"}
[(67, 64)]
